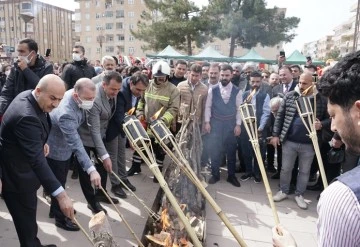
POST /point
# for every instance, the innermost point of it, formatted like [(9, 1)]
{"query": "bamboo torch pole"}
[(306, 113), (249, 121), (83, 231), (165, 137), (142, 144)]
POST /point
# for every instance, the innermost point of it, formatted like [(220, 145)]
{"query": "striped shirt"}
[(339, 217)]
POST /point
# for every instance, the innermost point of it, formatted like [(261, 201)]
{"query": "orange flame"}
[(165, 219), (131, 111), (156, 115)]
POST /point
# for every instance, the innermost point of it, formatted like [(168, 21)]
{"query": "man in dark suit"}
[(23, 134), (132, 89), (287, 83), (92, 133)]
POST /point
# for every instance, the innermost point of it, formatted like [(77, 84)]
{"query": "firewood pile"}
[(100, 231)]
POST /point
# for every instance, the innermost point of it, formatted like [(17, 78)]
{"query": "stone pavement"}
[(247, 208)]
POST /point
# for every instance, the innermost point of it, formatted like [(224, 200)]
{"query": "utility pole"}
[(356, 31)]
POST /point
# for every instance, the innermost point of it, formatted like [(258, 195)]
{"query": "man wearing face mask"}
[(108, 64), (79, 68), (64, 140), (222, 121), (26, 73)]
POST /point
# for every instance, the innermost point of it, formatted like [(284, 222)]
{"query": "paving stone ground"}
[(247, 208)]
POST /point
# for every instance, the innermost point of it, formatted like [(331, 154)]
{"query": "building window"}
[(131, 50), (131, 1), (26, 6), (77, 28), (131, 38), (99, 27), (109, 13), (12, 29), (119, 13), (109, 26), (119, 25), (120, 37), (109, 49), (121, 49), (98, 50), (77, 16), (88, 39), (109, 37), (87, 28), (131, 26), (87, 16), (131, 14), (87, 5), (121, 2), (217, 47)]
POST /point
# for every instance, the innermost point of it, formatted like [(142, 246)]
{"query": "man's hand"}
[(318, 124), (207, 128), (107, 165), (237, 130), (22, 64), (259, 132), (275, 141), (336, 143), (46, 149), (66, 205), (282, 238), (95, 179)]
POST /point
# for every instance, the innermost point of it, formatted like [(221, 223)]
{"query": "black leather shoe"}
[(67, 225), (271, 169), (315, 187), (96, 208), (233, 180), (103, 198), (52, 214), (118, 191), (135, 168), (213, 180), (75, 174), (128, 184), (276, 176), (49, 245)]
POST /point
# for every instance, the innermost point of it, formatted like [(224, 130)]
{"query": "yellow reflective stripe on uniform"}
[(158, 97), (168, 117)]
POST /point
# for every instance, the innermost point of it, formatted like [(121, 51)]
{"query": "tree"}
[(178, 23), (248, 23), (333, 54)]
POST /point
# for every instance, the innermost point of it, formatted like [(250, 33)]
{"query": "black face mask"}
[(236, 77), (224, 82)]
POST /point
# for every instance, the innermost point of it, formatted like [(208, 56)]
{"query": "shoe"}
[(316, 187), (279, 196), (118, 191), (135, 168), (276, 176), (213, 180), (49, 245), (67, 225), (271, 169), (257, 180), (52, 214), (128, 184), (103, 198), (312, 178), (246, 177), (75, 174), (233, 180), (96, 208), (301, 202)]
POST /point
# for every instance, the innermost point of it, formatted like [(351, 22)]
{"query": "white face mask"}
[(7, 73), (76, 57), (86, 104), (26, 58)]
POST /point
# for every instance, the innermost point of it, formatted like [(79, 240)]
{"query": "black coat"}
[(76, 70), (23, 133), (278, 89), (19, 81)]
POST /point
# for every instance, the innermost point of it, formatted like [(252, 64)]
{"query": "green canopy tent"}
[(168, 53), (253, 56), (210, 54), (297, 58)]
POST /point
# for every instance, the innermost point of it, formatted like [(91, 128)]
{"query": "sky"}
[(318, 17)]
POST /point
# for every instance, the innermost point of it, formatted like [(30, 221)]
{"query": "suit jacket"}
[(93, 130), (64, 138), (23, 133), (123, 105), (279, 89)]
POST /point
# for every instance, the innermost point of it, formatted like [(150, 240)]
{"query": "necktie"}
[(286, 88), (112, 104)]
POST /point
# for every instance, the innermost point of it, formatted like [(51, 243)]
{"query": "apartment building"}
[(324, 46), (310, 49), (49, 25)]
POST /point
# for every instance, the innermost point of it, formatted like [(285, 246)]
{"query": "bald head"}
[(49, 92), (305, 81)]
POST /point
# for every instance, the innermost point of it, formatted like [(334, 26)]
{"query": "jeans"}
[(305, 153), (116, 149)]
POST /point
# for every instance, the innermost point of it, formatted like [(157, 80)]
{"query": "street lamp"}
[(27, 19)]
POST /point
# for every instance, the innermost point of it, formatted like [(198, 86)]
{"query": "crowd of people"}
[(56, 117)]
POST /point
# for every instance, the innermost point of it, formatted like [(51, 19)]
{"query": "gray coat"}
[(92, 131), (64, 138)]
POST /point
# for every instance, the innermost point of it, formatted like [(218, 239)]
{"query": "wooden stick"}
[(83, 230), (183, 164), (251, 129), (122, 217)]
